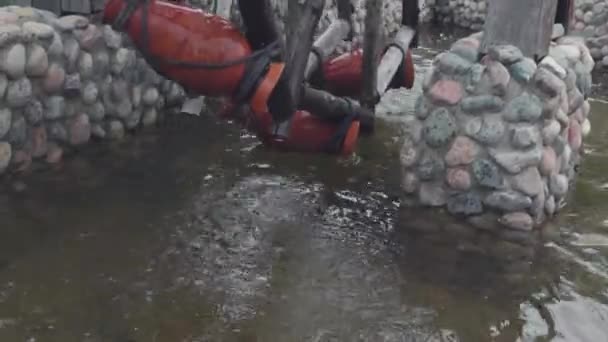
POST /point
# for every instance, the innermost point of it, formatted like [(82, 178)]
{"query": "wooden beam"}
[(522, 23), (333, 108), (371, 48), (393, 58), (326, 44)]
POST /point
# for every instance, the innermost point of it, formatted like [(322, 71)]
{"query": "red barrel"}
[(181, 33), (342, 76)]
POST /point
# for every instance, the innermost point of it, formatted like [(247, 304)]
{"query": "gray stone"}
[(482, 104), (548, 83), (474, 77), (523, 137), (36, 30), (124, 108), (583, 79), (508, 201), (120, 88), (56, 47), (96, 111), (85, 65), (101, 62), (55, 107), (550, 206), (90, 92), (57, 131), (97, 131), (431, 167), (550, 64), (9, 34), (3, 85), (115, 130), (33, 112), (6, 154), (112, 38), (506, 54), (550, 131), (18, 92), (122, 59), (408, 155), (412, 127), (516, 161), (486, 174), (421, 108), (525, 107), (451, 63), (5, 121), (71, 22), (18, 132), (465, 204), (575, 100), (518, 221), (150, 96), (132, 121), (72, 85), (466, 51), (524, 70), (13, 60), (439, 128), (150, 117), (488, 130), (528, 182), (570, 79), (71, 51), (37, 61), (432, 194), (558, 184)]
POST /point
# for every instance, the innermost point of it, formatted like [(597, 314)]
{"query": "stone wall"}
[(498, 139), (65, 81), (591, 20)]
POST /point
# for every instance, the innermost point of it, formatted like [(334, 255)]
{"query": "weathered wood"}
[(76, 6), (523, 23), (49, 5), (261, 30), (326, 44), (565, 14), (410, 15), (371, 48), (345, 12), (330, 107), (300, 44), (223, 9), (393, 58)]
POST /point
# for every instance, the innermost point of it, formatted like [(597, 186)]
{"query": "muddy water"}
[(197, 233)]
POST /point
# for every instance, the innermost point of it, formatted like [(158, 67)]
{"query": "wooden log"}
[(522, 23), (410, 14), (300, 43), (330, 107), (371, 48), (393, 58), (326, 44)]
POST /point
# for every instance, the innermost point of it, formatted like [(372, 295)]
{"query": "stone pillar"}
[(495, 141)]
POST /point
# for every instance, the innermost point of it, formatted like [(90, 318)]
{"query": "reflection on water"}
[(206, 236)]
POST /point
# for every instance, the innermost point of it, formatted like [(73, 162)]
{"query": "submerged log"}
[(393, 58), (371, 48), (330, 107)]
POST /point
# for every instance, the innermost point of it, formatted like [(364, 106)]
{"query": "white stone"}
[(586, 127), (9, 33), (37, 30), (550, 63), (37, 61), (13, 61)]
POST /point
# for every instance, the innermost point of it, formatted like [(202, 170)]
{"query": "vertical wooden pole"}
[(410, 16), (371, 48), (345, 12)]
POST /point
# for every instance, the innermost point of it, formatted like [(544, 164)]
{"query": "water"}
[(197, 233)]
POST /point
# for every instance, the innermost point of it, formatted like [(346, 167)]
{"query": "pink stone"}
[(22, 160), (458, 179), (55, 76), (549, 162), (38, 139), (575, 136), (446, 92), (80, 130), (54, 154), (89, 37), (463, 152), (498, 73)]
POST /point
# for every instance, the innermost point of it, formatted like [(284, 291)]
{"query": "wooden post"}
[(371, 48), (393, 58), (224, 8), (326, 44), (410, 13), (522, 23)]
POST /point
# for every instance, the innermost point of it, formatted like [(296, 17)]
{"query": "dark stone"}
[(487, 174), (465, 204), (482, 104), (508, 201), (439, 128), (431, 167)]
